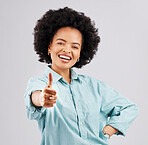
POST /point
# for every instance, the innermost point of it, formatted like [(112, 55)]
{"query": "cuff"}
[(120, 130)]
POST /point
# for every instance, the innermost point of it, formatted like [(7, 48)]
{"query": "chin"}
[(64, 66)]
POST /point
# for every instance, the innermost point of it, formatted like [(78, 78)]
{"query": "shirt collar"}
[(57, 77)]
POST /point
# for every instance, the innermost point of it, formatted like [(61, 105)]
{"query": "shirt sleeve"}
[(33, 113), (120, 110)]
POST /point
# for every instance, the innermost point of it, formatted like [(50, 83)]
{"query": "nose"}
[(67, 49)]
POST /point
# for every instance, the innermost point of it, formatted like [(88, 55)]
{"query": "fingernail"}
[(51, 97)]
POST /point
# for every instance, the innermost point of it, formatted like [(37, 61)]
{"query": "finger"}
[(50, 80), (51, 101), (50, 97), (49, 91), (47, 105)]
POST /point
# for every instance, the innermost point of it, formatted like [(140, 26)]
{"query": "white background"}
[(121, 61)]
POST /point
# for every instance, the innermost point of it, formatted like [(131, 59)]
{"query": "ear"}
[(49, 47)]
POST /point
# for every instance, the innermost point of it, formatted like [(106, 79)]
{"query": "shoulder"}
[(90, 79), (40, 80)]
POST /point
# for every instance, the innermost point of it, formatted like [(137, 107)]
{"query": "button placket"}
[(79, 112), (76, 105)]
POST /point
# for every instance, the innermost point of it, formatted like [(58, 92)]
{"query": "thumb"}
[(50, 80)]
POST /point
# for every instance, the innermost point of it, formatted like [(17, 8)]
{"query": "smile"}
[(64, 58)]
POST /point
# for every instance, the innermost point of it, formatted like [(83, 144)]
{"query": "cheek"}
[(77, 53), (55, 49)]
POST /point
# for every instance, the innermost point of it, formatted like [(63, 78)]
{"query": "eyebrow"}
[(66, 41)]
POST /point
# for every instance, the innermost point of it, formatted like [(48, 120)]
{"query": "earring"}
[(48, 53), (78, 60), (49, 50)]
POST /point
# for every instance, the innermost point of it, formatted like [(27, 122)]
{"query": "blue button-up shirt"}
[(83, 109)]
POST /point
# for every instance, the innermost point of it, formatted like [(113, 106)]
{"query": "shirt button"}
[(81, 123), (76, 105)]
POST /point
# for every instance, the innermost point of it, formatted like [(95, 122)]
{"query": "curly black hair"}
[(53, 20)]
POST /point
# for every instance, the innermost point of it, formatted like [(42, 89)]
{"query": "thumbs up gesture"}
[(48, 96)]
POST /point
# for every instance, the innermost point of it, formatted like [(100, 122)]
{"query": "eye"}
[(60, 43), (75, 47)]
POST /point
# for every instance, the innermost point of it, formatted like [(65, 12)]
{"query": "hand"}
[(110, 130), (47, 97)]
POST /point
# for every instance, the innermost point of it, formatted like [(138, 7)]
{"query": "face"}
[(65, 48)]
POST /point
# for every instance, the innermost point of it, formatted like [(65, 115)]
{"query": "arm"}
[(33, 112), (39, 96), (120, 110)]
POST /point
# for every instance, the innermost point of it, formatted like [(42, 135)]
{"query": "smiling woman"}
[(65, 48), (71, 108)]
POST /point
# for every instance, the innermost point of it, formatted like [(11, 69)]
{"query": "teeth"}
[(65, 57)]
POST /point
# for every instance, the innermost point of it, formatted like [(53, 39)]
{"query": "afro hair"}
[(53, 20)]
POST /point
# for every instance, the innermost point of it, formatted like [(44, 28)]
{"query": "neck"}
[(65, 73)]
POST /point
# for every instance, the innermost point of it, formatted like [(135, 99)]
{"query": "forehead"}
[(69, 34)]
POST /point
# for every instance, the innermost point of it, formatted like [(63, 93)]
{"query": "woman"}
[(73, 109)]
